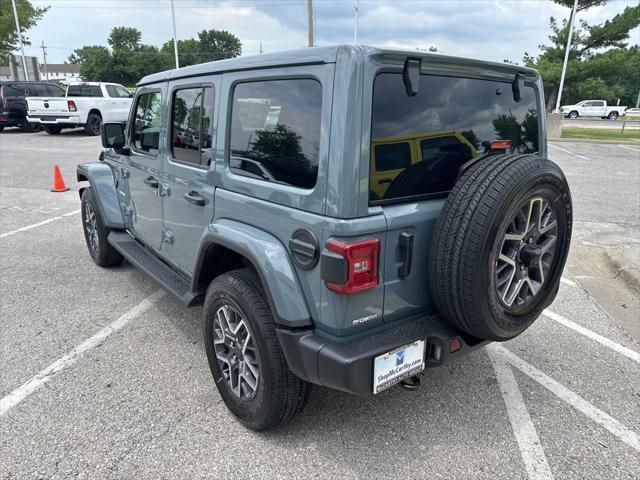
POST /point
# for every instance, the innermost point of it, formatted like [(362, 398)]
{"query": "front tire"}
[(95, 233), (93, 125), (246, 361), (573, 115)]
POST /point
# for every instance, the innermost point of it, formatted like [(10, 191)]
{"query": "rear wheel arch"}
[(218, 256)]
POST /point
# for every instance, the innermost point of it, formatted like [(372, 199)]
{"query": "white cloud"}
[(488, 29)]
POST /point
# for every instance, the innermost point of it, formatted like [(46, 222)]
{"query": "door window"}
[(275, 131), (116, 91), (192, 125), (147, 121)]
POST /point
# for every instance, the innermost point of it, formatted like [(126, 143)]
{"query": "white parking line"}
[(535, 461), (39, 224), (616, 347), (629, 148), (568, 282), (625, 434), (35, 382), (570, 153)]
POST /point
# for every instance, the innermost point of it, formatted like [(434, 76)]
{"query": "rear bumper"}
[(62, 120), (348, 366)]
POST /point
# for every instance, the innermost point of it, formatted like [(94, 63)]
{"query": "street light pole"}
[(355, 25), (175, 39), (566, 54), (310, 38), (24, 60)]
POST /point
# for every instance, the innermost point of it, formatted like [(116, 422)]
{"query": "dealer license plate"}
[(399, 364)]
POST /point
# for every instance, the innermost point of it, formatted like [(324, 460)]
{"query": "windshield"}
[(420, 142)]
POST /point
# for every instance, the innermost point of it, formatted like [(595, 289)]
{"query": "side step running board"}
[(147, 262)]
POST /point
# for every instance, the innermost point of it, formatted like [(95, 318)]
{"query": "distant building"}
[(60, 71), (5, 73)]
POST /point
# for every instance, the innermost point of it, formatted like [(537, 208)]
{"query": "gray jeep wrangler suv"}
[(348, 215)]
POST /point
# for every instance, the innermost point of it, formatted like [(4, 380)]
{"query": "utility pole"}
[(355, 25), (310, 23), (24, 60), (175, 40), (566, 54), (44, 54), (260, 48)]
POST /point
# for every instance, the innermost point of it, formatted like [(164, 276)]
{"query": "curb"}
[(628, 273), (589, 140)]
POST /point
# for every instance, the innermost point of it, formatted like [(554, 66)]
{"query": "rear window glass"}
[(275, 131), (450, 121), (55, 91), (14, 90), (84, 91)]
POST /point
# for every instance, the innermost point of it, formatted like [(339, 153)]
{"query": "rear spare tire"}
[(500, 245)]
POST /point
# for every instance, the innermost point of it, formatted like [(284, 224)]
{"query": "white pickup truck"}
[(86, 104), (593, 108)]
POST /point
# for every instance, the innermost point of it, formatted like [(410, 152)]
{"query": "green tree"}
[(125, 39), (600, 63), (282, 141), (218, 45), (189, 51), (96, 63), (28, 16)]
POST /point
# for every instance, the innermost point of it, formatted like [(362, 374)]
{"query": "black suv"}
[(13, 108)]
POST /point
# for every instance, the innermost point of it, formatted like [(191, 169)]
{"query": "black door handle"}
[(195, 198), (152, 182)]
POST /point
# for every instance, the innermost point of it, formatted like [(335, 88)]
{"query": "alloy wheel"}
[(526, 253), (236, 352), (91, 227)]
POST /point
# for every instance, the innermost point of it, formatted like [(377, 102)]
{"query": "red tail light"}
[(362, 265), (71, 105), (500, 144)]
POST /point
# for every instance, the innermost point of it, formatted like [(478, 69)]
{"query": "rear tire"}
[(53, 129), (277, 395), (31, 127), (93, 125), (613, 116), (95, 233), (500, 245)]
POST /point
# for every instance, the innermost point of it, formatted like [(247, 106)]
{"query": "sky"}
[(484, 29)]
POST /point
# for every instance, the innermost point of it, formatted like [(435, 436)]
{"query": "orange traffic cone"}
[(58, 182)]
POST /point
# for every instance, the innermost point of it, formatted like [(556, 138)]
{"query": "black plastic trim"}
[(333, 267), (348, 365)]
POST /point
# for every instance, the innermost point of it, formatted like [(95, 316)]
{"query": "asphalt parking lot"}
[(103, 376)]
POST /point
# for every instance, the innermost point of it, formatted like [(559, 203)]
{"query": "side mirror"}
[(411, 75), (113, 135)]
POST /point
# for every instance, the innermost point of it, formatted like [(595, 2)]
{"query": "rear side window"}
[(14, 90), (192, 125), (147, 121), (450, 120), (392, 156), (37, 90), (54, 91), (275, 131)]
